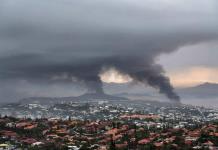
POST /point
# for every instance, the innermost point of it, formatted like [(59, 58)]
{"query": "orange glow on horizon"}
[(193, 76)]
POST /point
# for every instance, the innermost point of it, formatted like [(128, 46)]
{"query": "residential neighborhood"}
[(128, 131)]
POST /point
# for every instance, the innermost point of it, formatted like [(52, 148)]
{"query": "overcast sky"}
[(192, 65), (67, 43)]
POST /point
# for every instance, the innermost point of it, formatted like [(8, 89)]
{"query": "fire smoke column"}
[(94, 85), (158, 81), (149, 73), (39, 44)]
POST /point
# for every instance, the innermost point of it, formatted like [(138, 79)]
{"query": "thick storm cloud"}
[(61, 41)]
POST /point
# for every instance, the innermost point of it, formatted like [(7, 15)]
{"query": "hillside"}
[(206, 90)]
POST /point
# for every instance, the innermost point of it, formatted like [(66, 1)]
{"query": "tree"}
[(112, 144)]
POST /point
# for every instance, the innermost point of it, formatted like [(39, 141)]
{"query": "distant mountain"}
[(125, 94), (202, 91), (45, 100), (84, 97), (206, 90), (207, 85), (141, 96), (99, 96)]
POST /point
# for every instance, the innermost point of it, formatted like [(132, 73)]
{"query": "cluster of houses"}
[(122, 133)]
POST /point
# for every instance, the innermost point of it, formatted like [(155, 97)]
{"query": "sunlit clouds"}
[(113, 76), (193, 76), (179, 78)]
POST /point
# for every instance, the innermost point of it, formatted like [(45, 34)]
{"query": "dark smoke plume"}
[(72, 40), (145, 71)]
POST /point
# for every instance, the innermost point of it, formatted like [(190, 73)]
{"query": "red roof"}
[(209, 143), (144, 141), (112, 131), (136, 116), (158, 144), (188, 142), (9, 133), (29, 141), (119, 146)]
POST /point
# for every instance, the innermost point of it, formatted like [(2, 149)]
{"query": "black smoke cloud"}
[(70, 39)]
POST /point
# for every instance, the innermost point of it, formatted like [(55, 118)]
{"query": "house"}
[(29, 141), (158, 145), (144, 141), (189, 140), (195, 133), (208, 144), (30, 127), (112, 132), (4, 146), (22, 124), (121, 146), (9, 134), (37, 143)]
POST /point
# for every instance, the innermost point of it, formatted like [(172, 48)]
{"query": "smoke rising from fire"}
[(42, 39)]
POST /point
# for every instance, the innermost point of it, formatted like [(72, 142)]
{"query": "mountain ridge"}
[(204, 90), (83, 97)]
